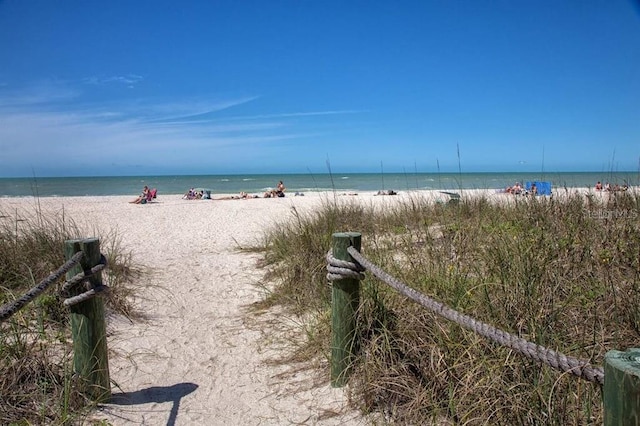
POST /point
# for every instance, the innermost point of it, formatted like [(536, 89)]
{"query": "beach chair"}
[(151, 195), (454, 197)]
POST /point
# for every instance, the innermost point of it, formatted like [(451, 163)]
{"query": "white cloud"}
[(40, 94), (176, 133), (130, 80), (296, 114), (178, 111)]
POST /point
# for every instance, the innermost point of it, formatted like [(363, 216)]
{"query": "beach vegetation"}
[(37, 385), (561, 272)]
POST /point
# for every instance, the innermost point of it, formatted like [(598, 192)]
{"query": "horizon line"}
[(324, 173)]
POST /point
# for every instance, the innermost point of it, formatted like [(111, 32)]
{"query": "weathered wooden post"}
[(621, 392), (345, 297), (88, 328)]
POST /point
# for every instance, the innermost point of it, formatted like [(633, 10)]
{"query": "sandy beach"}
[(200, 357)]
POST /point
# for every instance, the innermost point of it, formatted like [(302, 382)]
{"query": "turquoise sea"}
[(257, 184)]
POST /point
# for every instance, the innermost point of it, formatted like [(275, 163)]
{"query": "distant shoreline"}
[(304, 183), (429, 195)]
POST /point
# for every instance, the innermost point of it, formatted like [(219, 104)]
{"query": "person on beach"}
[(598, 186), (278, 192), (190, 195), (515, 189), (243, 196), (142, 198)]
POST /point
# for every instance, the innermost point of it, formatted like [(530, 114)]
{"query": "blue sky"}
[(218, 87)]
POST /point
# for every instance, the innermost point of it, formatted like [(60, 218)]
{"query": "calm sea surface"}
[(257, 184)]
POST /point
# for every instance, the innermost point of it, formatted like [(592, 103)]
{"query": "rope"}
[(557, 360), (85, 296), (11, 308), (83, 276), (340, 269)]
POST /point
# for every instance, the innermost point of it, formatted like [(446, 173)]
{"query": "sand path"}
[(200, 357)]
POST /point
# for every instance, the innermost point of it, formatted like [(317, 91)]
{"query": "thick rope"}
[(340, 269), (11, 308), (83, 276), (557, 360), (85, 296)]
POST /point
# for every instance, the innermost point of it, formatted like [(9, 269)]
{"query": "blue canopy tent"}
[(542, 188)]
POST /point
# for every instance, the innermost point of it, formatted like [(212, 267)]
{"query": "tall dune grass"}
[(36, 381), (563, 273)]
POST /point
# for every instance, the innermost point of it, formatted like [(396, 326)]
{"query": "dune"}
[(200, 356)]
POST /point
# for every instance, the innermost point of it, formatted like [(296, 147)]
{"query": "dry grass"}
[(36, 385), (563, 273)]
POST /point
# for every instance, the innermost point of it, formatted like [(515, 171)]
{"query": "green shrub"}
[(36, 385), (563, 273)]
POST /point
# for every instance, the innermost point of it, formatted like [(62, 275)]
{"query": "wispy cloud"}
[(37, 130), (168, 112), (129, 80), (296, 114), (44, 93)]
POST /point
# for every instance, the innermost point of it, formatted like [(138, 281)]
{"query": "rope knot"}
[(338, 269), (83, 277)]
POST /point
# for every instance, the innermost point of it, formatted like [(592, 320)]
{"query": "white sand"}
[(201, 358)]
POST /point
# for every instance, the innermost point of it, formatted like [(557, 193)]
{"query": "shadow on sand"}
[(158, 394)]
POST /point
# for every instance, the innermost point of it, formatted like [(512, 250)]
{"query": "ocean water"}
[(257, 184)]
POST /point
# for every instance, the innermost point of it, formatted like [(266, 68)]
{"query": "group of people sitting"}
[(518, 189), (197, 194), (277, 192), (608, 188)]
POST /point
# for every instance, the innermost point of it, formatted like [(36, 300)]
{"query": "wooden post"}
[(88, 327), (621, 392), (344, 307)]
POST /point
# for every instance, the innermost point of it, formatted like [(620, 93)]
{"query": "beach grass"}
[(561, 272), (36, 377)]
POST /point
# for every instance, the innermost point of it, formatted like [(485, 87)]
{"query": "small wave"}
[(344, 177), (247, 179), (327, 189), (224, 180)]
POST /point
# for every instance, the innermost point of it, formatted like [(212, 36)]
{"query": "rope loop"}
[(83, 276), (338, 269), (85, 296)]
